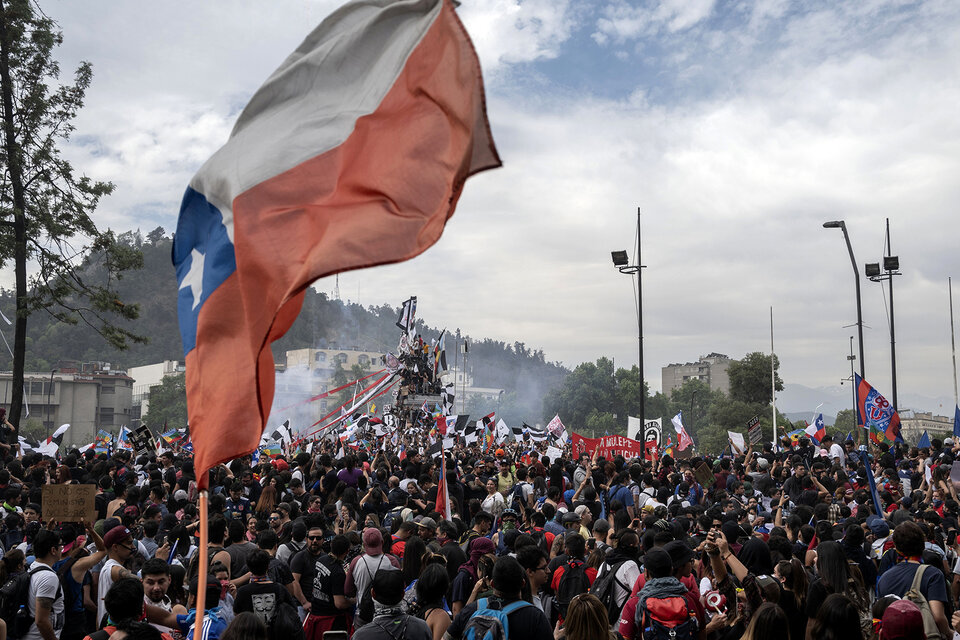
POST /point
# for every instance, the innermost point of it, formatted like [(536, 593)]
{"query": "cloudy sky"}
[(738, 128)]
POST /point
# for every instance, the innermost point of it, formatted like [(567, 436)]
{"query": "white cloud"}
[(621, 21), (842, 111)]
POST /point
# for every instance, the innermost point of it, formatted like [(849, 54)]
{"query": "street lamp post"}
[(50, 408), (891, 266), (621, 262), (839, 224)]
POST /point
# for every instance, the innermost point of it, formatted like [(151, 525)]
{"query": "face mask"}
[(509, 525), (937, 503)]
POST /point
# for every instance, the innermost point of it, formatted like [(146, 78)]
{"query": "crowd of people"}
[(788, 544)]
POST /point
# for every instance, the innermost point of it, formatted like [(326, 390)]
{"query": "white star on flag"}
[(194, 277)]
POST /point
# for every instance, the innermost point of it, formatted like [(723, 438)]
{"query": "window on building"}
[(364, 360), (320, 357), (108, 387), (106, 417), (342, 358), (323, 405)]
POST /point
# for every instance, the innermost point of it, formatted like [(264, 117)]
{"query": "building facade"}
[(146, 378), (711, 369), (88, 396), (914, 423)]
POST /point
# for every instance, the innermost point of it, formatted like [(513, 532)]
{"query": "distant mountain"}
[(798, 402)]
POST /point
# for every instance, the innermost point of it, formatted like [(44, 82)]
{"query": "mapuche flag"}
[(352, 154)]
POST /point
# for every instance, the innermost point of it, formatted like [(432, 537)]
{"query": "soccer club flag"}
[(956, 422), (924, 441), (440, 354), (818, 430), (875, 414), (443, 495), (57, 436), (683, 438), (352, 154)]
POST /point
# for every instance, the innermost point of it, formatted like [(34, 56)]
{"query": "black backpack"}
[(605, 588), (13, 602), (540, 537), (573, 582), (365, 602)]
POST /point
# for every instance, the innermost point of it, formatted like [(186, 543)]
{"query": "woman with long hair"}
[(267, 501), (769, 622), (835, 577), (413, 552), (586, 619), (12, 565), (837, 619), (431, 589), (793, 579)]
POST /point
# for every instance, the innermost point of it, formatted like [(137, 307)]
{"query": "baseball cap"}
[(116, 535), (902, 621), (372, 541), (428, 523)]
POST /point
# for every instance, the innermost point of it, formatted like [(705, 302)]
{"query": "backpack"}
[(517, 502), (194, 569), (573, 582), (604, 587), (365, 602), (13, 602), (489, 622), (389, 517), (666, 618), (930, 630)]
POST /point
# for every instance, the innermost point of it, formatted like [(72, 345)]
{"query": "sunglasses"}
[(314, 537)]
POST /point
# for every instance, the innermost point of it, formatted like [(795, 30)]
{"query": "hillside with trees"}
[(522, 372)]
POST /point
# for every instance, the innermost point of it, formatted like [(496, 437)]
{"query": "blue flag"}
[(871, 481), (956, 422), (924, 441)]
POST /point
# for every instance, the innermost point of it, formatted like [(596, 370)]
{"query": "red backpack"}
[(666, 618)]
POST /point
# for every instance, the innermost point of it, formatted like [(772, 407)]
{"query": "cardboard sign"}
[(69, 502), (736, 439), (754, 430), (555, 454), (704, 475)]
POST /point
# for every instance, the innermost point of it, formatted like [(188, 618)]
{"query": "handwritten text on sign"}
[(69, 502)]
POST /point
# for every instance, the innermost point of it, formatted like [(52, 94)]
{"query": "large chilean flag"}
[(352, 154)]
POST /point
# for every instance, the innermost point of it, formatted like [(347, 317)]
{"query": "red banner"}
[(610, 446)]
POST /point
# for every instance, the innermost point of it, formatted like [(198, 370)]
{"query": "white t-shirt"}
[(44, 584), (493, 504), (837, 453), (103, 585)]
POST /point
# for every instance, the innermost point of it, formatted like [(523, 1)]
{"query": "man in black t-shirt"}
[(322, 577), (261, 596)]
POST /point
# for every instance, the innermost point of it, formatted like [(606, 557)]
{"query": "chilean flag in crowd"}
[(352, 154), (443, 494), (817, 431), (875, 414), (683, 438)]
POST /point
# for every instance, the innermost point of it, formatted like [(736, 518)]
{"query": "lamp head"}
[(619, 258), (871, 269), (834, 224), (891, 263)]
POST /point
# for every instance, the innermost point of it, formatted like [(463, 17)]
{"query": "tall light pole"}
[(50, 408), (891, 266), (621, 262), (839, 224)]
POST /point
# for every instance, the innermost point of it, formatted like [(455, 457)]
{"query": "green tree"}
[(589, 387), (168, 404), (750, 378), (44, 207), (845, 422)]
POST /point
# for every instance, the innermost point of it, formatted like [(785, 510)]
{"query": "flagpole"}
[(953, 344), (853, 383), (773, 384)]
